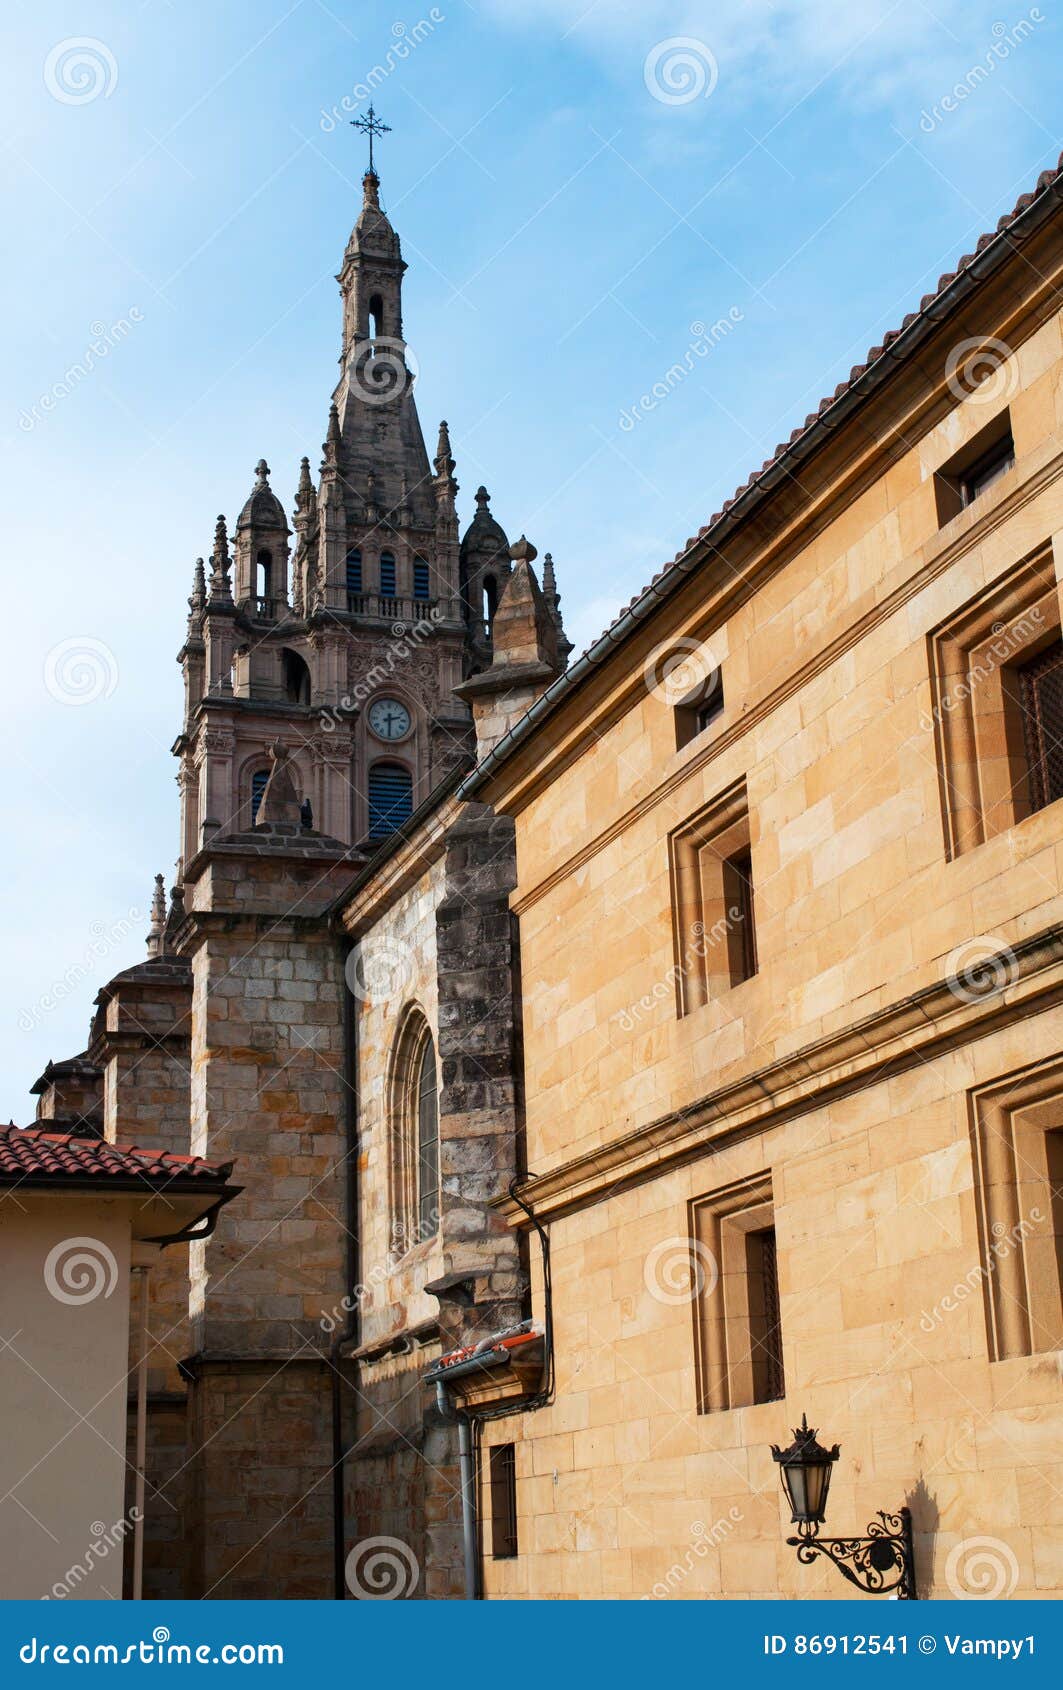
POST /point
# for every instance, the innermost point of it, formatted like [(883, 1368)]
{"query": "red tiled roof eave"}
[(35, 1155)]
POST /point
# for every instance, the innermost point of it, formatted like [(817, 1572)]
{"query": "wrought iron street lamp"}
[(883, 1562)]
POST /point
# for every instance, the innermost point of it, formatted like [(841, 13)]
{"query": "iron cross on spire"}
[(371, 125)]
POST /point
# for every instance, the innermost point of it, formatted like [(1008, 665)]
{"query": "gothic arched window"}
[(413, 1108), (390, 798), (354, 570), (258, 787), (376, 317), (387, 575), (421, 579)]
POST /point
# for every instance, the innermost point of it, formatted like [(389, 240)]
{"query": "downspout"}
[(470, 1531), (350, 1327), (142, 1435), (469, 1423)]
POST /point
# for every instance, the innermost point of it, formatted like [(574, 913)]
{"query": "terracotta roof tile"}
[(32, 1153)]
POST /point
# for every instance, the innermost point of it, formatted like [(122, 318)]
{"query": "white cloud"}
[(879, 49)]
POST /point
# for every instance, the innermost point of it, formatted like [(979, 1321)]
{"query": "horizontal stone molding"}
[(940, 557), (924, 1024)]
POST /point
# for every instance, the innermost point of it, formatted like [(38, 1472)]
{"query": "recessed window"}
[(694, 715), (414, 1135), (387, 575), (421, 581), (713, 918), (1017, 1138), (972, 471), (427, 1143), (981, 476), (502, 1461), (1041, 699), (737, 1325), (765, 1329), (996, 671), (741, 931)]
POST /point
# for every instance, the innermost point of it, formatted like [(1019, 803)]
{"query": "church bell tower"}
[(343, 636)]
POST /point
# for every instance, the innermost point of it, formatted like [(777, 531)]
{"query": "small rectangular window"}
[(503, 1473), (1041, 696), (421, 585), (972, 471), (982, 474), (387, 575), (694, 715)]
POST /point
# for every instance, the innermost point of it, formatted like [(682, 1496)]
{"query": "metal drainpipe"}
[(470, 1536), (142, 1436)]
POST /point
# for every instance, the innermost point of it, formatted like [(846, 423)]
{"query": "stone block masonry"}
[(268, 1091)]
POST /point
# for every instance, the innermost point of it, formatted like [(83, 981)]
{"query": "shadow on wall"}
[(926, 1517)]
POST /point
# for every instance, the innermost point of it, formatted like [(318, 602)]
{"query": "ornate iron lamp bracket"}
[(881, 1563)]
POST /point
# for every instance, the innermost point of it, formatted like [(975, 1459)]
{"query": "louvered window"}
[(1041, 685), (258, 787), (390, 798), (387, 575), (420, 578), (354, 570)]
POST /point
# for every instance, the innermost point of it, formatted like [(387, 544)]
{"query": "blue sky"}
[(574, 190)]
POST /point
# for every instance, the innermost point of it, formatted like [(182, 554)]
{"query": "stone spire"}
[(304, 496), (444, 459), (220, 584), (158, 917), (197, 602), (446, 488), (524, 654), (332, 442), (378, 423), (302, 522), (553, 600), (176, 913)]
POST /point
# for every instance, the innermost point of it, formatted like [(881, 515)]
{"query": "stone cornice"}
[(923, 1025), (938, 557), (775, 518), (400, 870)]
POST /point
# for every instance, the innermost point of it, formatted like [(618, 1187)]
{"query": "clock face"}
[(389, 719)]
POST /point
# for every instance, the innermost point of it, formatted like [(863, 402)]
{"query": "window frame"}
[(502, 1484), (729, 1319), (414, 1050)]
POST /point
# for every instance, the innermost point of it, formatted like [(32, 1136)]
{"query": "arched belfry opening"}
[(376, 317), (296, 678), (264, 577), (490, 602)]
